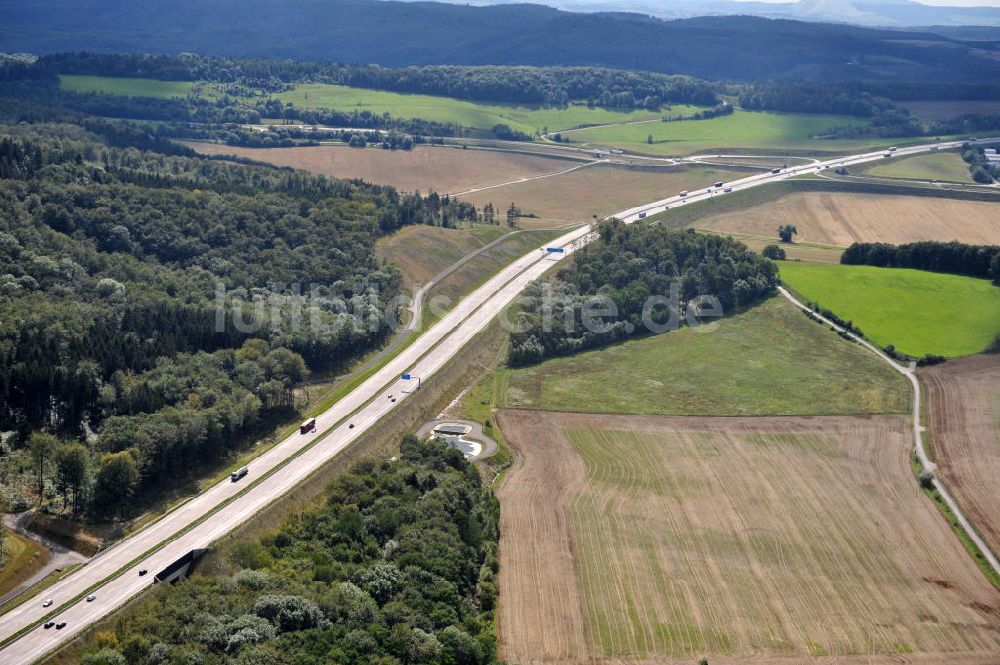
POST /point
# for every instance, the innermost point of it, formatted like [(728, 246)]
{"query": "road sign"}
[(555, 250)]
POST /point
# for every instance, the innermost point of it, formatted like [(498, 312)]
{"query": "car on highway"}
[(718, 184), (91, 598), (60, 625), (143, 572), (350, 426), (727, 190), (775, 170), (49, 624), (683, 194), (47, 603)]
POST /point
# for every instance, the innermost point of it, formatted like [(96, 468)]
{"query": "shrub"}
[(773, 252)]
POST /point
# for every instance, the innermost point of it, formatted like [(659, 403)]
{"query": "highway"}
[(113, 574)]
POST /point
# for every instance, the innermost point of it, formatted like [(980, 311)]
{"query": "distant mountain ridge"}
[(403, 33), (875, 13)]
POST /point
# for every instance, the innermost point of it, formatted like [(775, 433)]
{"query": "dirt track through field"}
[(963, 402), (841, 219), (752, 540)]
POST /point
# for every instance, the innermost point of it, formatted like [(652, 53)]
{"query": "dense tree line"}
[(160, 307), (951, 257), (983, 171), (921, 90), (551, 86), (627, 265), (398, 565), (808, 97), (862, 99)]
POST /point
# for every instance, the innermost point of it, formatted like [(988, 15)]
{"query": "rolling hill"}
[(400, 33)]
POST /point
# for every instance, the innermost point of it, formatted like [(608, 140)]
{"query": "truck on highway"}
[(308, 426), (236, 475), (642, 215)]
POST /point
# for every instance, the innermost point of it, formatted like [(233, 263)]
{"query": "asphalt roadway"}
[(113, 574)]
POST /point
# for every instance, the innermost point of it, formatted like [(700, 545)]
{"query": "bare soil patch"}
[(425, 168), (841, 219), (963, 401), (647, 539)]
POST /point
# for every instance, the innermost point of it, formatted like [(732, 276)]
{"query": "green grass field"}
[(466, 113), (130, 87), (741, 130), (769, 360), (22, 559), (916, 311), (947, 166)]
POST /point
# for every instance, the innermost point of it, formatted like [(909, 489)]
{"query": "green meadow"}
[(130, 87), (528, 119), (769, 360), (947, 166), (916, 311), (739, 130)]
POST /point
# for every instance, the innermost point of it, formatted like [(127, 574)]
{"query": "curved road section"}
[(113, 575)]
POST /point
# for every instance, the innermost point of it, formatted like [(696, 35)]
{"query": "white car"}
[(47, 603), (91, 598)]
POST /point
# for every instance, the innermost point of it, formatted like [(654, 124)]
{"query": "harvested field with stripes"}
[(963, 402), (601, 190), (841, 219), (425, 168), (744, 540)]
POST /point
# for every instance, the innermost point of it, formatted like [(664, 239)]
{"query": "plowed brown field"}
[(963, 401), (746, 540), (841, 219), (425, 168)]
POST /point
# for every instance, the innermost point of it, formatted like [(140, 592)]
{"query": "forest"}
[(397, 565), (626, 266), (981, 261), (31, 88), (158, 309), (549, 86), (862, 99), (400, 34)]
